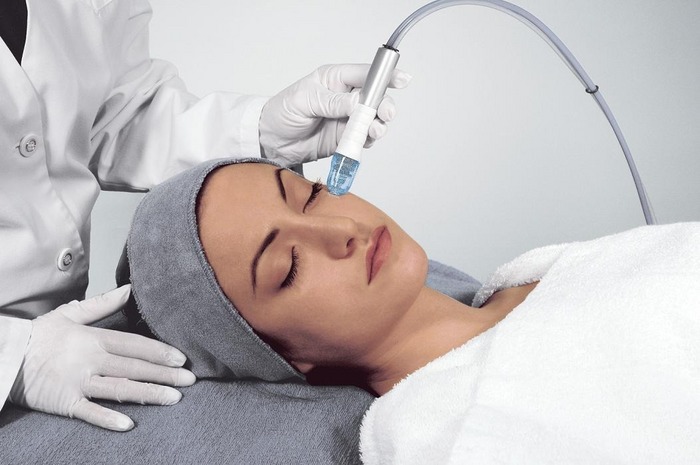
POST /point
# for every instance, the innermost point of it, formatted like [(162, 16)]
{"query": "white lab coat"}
[(89, 109)]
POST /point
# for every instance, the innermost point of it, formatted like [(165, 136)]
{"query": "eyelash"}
[(293, 270), (316, 189)]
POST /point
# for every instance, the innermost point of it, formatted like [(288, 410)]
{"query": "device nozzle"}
[(342, 174)]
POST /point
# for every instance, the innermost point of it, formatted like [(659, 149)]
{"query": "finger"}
[(125, 390), (96, 308), (399, 79), (387, 109), (377, 129), (140, 370), (101, 416), (340, 78), (333, 105), (141, 347)]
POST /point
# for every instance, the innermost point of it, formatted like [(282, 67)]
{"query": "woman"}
[(291, 282)]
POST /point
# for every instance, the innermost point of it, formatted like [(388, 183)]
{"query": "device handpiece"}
[(347, 157)]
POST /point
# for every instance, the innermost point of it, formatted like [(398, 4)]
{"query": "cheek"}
[(331, 318), (330, 314), (332, 292)]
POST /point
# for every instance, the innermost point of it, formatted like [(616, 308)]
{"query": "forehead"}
[(234, 190), (235, 179), (236, 209), (233, 196)]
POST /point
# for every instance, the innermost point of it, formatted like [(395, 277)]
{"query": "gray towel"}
[(177, 293)]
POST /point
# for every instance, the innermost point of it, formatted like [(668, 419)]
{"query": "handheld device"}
[(347, 157)]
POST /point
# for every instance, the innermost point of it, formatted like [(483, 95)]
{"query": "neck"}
[(434, 325)]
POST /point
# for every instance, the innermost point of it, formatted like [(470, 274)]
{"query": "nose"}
[(338, 236)]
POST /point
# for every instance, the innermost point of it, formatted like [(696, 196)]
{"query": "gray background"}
[(496, 148)]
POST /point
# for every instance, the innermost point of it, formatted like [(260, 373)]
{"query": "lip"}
[(378, 251)]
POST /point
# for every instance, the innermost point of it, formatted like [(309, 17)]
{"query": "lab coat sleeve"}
[(150, 127), (14, 336)]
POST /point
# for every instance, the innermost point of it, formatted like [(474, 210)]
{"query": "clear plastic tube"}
[(548, 36)]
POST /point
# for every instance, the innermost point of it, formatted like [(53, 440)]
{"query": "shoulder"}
[(637, 242), (525, 269)]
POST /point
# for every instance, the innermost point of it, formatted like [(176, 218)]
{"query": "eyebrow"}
[(265, 244)]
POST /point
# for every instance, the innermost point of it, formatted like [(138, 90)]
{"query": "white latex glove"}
[(305, 121), (66, 363)]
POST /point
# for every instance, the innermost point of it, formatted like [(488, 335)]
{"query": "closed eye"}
[(293, 270), (316, 189)]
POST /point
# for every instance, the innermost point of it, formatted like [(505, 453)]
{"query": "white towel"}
[(600, 364)]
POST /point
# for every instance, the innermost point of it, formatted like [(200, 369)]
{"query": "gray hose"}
[(548, 36)]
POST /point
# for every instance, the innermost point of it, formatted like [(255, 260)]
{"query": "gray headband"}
[(177, 293)]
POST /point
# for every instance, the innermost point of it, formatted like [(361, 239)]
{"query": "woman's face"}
[(324, 278)]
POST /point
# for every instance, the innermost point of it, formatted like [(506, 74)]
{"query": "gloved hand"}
[(66, 363), (306, 120)]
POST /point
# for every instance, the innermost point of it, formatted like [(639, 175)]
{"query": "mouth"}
[(378, 252)]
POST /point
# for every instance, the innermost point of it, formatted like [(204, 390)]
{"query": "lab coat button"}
[(28, 145), (65, 259)]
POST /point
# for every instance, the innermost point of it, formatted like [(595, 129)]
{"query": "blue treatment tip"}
[(342, 174)]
